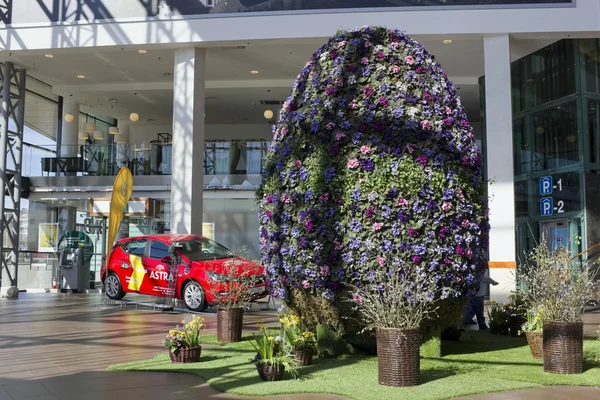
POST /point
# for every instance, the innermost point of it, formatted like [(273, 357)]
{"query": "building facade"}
[(185, 92)]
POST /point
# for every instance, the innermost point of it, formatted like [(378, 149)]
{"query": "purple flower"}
[(416, 259), (367, 165), (356, 226)]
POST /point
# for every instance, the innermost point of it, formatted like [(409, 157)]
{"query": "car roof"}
[(169, 238)]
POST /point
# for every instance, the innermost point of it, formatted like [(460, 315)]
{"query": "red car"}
[(141, 265)]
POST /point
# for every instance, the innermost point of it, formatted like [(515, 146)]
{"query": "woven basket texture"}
[(536, 344), (229, 325), (563, 347), (270, 373), (186, 356), (303, 357), (398, 357)]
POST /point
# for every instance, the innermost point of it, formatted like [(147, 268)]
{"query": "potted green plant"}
[(515, 311), (533, 330), (184, 342), (231, 285), (498, 318), (303, 341), (561, 286), (273, 356)]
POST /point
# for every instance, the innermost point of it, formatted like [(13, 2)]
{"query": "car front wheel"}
[(193, 296), (113, 287)]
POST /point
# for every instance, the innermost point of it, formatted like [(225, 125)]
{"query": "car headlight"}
[(217, 277)]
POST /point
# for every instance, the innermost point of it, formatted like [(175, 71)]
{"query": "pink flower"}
[(342, 44), (365, 149), (285, 199), (381, 261), (395, 69), (448, 110), (298, 163), (469, 252), (339, 135), (461, 196), (305, 284), (325, 271), (284, 132), (465, 223), (410, 60), (354, 104), (425, 124), (368, 44), (324, 197), (352, 164), (377, 226), (338, 245), (410, 147), (394, 45), (358, 299), (402, 202), (446, 206), (364, 61), (330, 126), (268, 214)]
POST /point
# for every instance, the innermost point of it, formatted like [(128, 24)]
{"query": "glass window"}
[(593, 115), (522, 152), (555, 137), (204, 250), (590, 51), (521, 198), (136, 247), (158, 249)]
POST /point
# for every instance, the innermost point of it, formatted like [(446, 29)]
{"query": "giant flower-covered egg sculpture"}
[(373, 164)]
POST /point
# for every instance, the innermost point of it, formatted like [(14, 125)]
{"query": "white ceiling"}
[(141, 82)]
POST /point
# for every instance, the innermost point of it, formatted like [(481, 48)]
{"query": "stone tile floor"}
[(57, 347)]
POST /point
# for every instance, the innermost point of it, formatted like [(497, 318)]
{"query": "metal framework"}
[(11, 143), (6, 11)]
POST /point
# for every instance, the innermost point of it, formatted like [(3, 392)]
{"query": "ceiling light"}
[(89, 128), (49, 55), (113, 130), (119, 139), (447, 41), (142, 51), (134, 117), (69, 117), (81, 76), (98, 135), (83, 136), (254, 72), (268, 114)]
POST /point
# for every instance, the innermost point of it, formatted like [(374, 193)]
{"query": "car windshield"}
[(203, 250)]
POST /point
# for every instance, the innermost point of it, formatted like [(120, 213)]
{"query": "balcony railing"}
[(220, 158)]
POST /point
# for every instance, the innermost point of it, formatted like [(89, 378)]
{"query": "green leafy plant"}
[(498, 318), (535, 321), (273, 350), (295, 334), (188, 336)]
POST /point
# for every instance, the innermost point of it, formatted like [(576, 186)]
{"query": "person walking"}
[(475, 305)]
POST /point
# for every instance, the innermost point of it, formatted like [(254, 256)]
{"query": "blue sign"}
[(545, 185), (546, 206)]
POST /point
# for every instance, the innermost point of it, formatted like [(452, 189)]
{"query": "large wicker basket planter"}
[(398, 357), (270, 373), (303, 357), (186, 356), (536, 344), (563, 347), (229, 324)]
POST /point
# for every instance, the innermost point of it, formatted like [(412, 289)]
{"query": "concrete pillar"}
[(70, 130), (498, 117), (188, 141), (122, 143)]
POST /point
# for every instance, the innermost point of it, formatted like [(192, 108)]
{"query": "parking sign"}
[(546, 206), (545, 185)]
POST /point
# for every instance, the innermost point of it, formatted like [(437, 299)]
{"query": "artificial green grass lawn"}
[(478, 363)]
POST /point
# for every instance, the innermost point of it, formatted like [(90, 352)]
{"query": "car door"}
[(159, 274), (135, 280)]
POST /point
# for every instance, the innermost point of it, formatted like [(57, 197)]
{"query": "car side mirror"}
[(166, 260)]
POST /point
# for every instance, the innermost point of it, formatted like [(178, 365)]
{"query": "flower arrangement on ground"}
[(184, 343), (273, 356), (231, 285), (373, 165), (303, 341), (533, 329), (561, 286), (395, 304)]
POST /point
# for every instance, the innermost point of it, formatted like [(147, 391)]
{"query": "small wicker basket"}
[(229, 324), (536, 344), (186, 355), (398, 357), (563, 347), (303, 357), (270, 373)]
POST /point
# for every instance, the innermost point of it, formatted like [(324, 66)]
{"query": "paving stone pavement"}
[(57, 347)]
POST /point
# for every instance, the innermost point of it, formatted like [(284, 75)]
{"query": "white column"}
[(70, 130), (187, 178), (498, 118)]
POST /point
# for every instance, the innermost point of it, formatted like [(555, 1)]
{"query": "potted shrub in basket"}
[(533, 330), (395, 301), (498, 318), (184, 343), (562, 287), (515, 311), (233, 290), (273, 356), (303, 342)]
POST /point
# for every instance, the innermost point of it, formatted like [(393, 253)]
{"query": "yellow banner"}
[(120, 196)]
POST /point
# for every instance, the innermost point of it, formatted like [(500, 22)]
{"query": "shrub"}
[(373, 165)]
